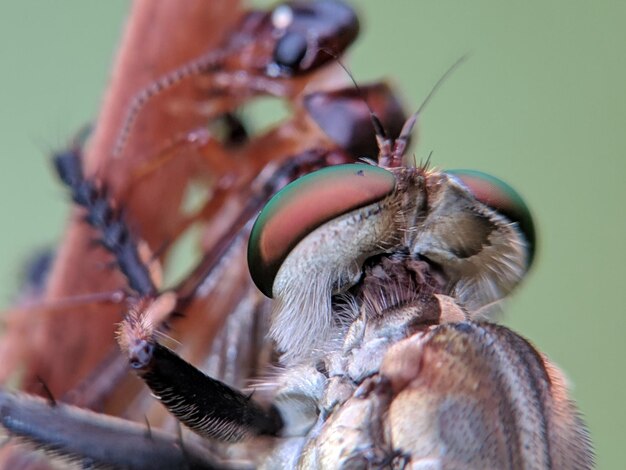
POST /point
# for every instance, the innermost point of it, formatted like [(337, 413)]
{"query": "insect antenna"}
[(190, 69), (103, 216), (394, 159), (391, 150), (379, 129)]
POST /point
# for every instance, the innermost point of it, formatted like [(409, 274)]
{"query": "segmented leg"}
[(96, 440), (207, 406)]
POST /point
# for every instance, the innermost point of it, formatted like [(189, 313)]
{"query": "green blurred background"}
[(540, 103)]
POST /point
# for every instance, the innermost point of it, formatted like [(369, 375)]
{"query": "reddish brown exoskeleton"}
[(380, 276)]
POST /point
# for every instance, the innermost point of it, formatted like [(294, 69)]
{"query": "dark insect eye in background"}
[(540, 103)]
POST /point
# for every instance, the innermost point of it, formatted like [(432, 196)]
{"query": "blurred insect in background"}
[(380, 276)]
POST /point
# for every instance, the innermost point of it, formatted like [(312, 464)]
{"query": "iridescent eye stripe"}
[(498, 195), (306, 204)]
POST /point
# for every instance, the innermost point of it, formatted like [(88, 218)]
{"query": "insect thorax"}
[(397, 297)]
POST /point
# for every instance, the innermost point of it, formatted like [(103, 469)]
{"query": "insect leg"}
[(207, 406), (483, 398), (94, 439)]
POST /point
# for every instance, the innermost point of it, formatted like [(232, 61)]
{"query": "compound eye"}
[(290, 51), (307, 32), (304, 205), (498, 195)]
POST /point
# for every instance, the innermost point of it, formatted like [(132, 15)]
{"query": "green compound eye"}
[(304, 205), (498, 195)]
